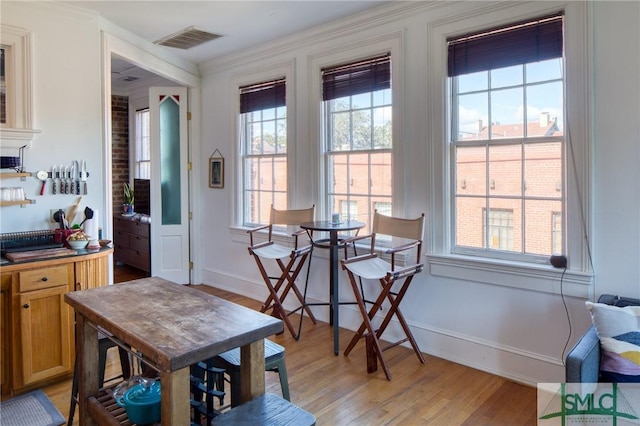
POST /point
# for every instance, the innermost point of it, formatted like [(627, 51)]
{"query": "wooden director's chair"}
[(290, 262), (371, 267)]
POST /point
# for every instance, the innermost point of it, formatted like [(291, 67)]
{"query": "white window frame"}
[(391, 42), (284, 70), (367, 215), (535, 276), (142, 137)]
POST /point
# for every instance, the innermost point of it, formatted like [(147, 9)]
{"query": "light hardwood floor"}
[(338, 390)]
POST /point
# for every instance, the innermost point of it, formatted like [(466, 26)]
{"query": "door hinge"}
[(189, 166), (190, 265), (190, 215), (188, 115)]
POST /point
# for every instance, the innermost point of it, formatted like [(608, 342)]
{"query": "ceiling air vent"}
[(187, 38)]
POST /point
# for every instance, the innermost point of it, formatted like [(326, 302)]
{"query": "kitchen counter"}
[(8, 265)]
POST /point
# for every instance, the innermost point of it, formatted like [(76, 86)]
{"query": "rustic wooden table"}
[(173, 326)]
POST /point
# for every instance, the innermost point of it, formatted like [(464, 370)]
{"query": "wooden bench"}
[(267, 409)]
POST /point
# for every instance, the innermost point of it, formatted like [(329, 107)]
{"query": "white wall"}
[(67, 103), (515, 326)]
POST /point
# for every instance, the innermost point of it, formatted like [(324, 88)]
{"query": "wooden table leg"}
[(87, 352), (175, 408), (252, 370)]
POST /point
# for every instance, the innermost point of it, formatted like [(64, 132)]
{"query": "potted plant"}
[(129, 197)]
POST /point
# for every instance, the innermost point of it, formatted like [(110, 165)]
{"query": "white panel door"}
[(169, 183)]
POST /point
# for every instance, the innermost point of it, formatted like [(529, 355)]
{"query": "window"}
[(358, 136), (507, 139), (500, 234), (142, 153), (263, 140)]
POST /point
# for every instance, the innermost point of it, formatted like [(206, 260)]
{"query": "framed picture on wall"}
[(216, 172)]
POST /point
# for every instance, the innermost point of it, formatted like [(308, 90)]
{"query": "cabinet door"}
[(5, 333), (45, 335), (91, 273)]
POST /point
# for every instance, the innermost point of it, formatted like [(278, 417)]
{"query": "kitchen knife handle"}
[(54, 186)]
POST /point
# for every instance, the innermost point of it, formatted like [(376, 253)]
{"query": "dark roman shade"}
[(358, 77), (530, 41), (269, 94)]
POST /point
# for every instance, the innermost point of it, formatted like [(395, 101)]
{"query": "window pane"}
[(545, 109), (340, 131), (362, 129), (505, 224), (506, 114), (338, 174), (473, 82), (170, 161), (362, 100), (539, 226), (505, 170), (359, 174), (471, 170), (543, 170), (500, 229), (469, 220), (508, 76), (473, 115), (544, 70), (381, 177), (382, 127)]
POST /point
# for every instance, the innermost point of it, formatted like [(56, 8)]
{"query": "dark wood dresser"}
[(132, 241)]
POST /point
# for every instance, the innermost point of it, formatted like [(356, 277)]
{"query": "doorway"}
[(127, 89)]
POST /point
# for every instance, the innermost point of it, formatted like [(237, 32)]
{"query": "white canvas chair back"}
[(291, 217), (411, 229)]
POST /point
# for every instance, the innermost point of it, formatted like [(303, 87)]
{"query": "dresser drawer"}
[(36, 279), (139, 244), (134, 227)]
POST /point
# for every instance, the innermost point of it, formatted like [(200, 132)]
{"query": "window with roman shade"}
[(264, 149), (357, 118)]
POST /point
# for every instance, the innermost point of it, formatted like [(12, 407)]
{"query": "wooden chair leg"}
[(372, 343)]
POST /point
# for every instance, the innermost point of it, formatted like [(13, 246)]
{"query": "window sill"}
[(540, 278)]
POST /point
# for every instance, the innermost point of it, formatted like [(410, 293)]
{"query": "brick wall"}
[(120, 148)]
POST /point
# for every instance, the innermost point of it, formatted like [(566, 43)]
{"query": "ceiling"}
[(241, 23)]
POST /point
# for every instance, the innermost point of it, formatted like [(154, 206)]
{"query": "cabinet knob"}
[(45, 279), (26, 306)]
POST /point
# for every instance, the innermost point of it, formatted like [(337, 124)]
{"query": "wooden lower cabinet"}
[(5, 333), (38, 336)]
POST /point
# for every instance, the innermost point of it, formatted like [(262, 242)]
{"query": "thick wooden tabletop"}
[(172, 325)]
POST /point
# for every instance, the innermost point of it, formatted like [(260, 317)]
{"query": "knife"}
[(72, 177), (53, 178), (77, 177), (83, 177)]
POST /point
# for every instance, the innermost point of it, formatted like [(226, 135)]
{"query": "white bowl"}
[(78, 244)]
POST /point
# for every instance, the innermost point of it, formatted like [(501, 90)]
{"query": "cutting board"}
[(40, 254)]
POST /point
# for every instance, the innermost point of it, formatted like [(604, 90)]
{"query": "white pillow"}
[(619, 332)]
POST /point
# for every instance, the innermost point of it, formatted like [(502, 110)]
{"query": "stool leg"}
[(284, 380), (74, 394)]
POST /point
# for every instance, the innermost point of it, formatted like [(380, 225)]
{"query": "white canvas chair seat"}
[(273, 251), (290, 262), (371, 267)]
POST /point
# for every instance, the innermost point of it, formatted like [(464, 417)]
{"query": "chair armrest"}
[(357, 259), (254, 230), (351, 240), (583, 361), (403, 247)]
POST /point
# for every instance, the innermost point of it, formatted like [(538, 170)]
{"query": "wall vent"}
[(187, 38)]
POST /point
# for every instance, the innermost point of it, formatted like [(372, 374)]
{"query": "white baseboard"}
[(512, 363)]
